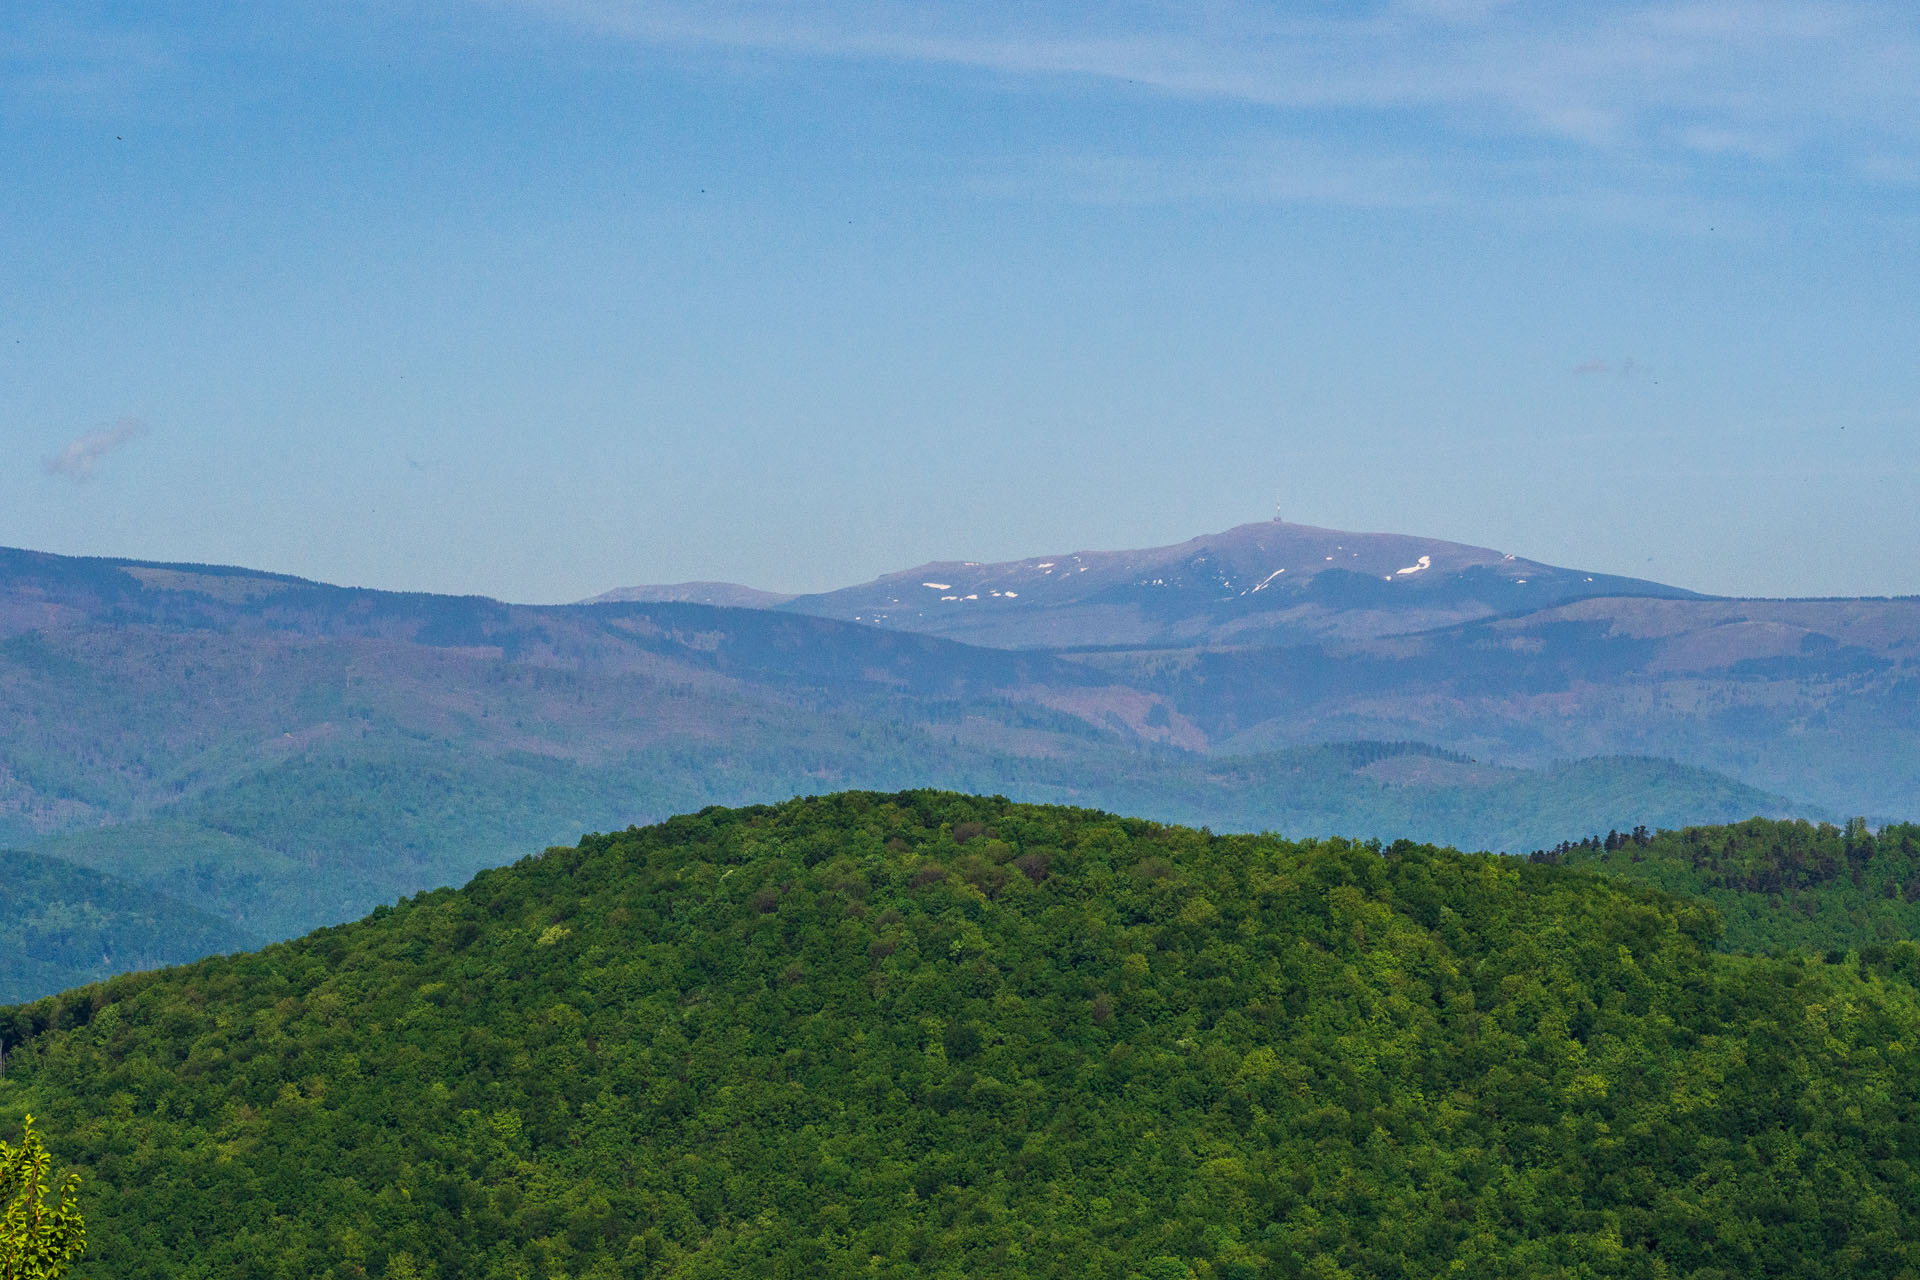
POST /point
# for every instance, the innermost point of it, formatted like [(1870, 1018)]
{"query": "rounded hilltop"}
[(928, 1034)]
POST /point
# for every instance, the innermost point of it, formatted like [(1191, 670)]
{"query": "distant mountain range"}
[(1262, 584), (1276, 634), (282, 753)]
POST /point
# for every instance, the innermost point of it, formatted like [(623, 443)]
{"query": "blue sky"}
[(540, 298)]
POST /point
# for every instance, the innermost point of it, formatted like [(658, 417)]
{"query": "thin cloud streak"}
[(1276, 170), (1760, 74), (55, 63), (77, 461)]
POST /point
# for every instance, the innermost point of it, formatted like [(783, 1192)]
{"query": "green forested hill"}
[(63, 925), (934, 1035), (1779, 886)]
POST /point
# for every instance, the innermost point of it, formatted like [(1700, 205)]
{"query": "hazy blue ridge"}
[(64, 926), (325, 836)]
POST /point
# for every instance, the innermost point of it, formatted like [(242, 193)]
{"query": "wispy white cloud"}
[(1715, 141), (1626, 368), (1617, 111), (1759, 79), (1268, 169), (77, 461)]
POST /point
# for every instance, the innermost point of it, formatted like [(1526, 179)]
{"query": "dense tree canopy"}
[(1779, 886), (934, 1035)]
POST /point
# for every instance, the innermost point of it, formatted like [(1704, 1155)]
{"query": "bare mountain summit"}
[(1258, 584)]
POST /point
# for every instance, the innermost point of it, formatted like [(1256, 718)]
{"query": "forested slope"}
[(934, 1035), (63, 925), (1779, 885)]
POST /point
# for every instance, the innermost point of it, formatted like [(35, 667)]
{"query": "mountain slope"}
[(1817, 697), (64, 926), (931, 1035)]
